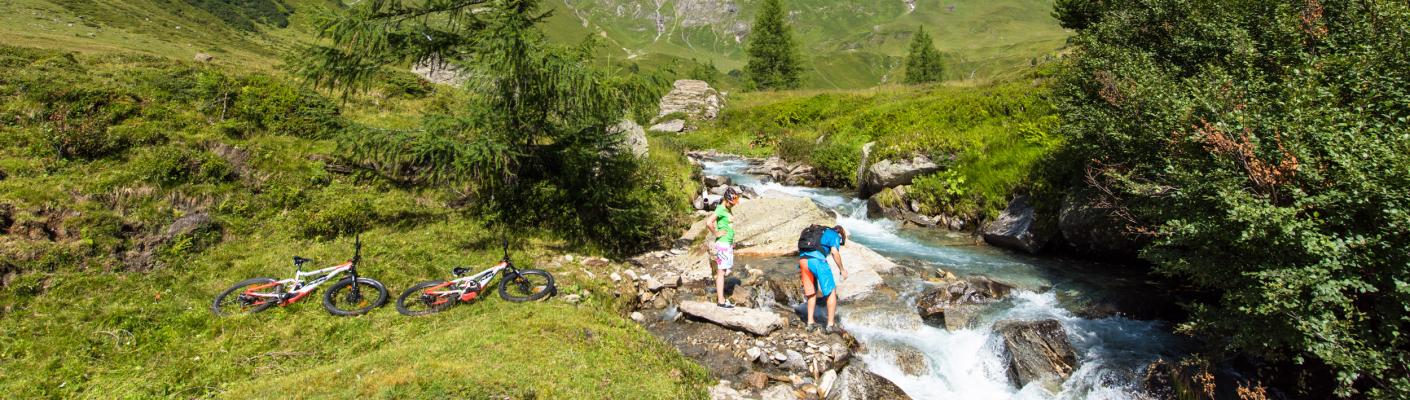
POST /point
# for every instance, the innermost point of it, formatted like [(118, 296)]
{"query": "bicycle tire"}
[(367, 305), (218, 309), (526, 286), (415, 296)]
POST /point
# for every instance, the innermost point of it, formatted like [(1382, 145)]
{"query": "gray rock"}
[(1038, 351), (572, 298), (795, 361), (203, 57), (638, 316), (1093, 228), (754, 353), (723, 391), (912, 362), (780, 391), (674, 125), (755, 321), (695, 98), (956, 304), (888, 173), (716, 180), (437, 71), (1018, 228), (826, 381), (633, 138), (856, 383), (862, 165)]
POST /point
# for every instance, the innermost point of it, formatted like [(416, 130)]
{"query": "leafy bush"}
[(272, 105), (1263, 145), (170, 166)]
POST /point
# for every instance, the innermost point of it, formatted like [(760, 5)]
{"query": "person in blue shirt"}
[(817, 275)]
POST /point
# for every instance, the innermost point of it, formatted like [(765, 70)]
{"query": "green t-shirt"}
[(724, 224)]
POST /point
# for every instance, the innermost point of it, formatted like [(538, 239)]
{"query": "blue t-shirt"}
[(830, 240)]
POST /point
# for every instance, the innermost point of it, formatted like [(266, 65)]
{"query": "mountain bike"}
[(517, 285), (353, 295)]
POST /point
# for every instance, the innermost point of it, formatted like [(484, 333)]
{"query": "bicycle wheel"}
[(528, 285), (239, 299), (415, 301), (349, 297)]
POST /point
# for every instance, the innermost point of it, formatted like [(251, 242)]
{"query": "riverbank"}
[(889, 335)]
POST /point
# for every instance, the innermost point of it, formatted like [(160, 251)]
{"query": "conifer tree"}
[(923, 62), (773, 57)]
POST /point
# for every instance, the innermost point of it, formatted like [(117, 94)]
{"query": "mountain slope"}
[(847, 43)]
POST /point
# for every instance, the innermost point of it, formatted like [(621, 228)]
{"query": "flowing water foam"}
[(970, 363)]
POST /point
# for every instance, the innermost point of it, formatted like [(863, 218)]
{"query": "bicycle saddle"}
[(458, 271), (300, 260)]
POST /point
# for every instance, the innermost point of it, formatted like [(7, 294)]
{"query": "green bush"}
[(342, 209), (170, 166), (271, 105), (1264, 146)]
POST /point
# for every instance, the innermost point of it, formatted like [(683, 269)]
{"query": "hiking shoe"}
[(726, 304), (810, 328), (832, 329)]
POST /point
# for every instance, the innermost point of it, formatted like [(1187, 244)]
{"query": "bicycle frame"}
[(461, 287), (301, 289)]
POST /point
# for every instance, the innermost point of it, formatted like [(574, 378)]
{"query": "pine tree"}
[(923, 62), (773, 57)]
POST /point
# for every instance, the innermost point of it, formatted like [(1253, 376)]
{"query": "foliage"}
[(1078, 14), (246, 14), (773, 56), (923, 64), (1263, 145), (169, 166)]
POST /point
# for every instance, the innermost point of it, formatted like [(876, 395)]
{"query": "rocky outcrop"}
[(633, 138), (1038, 351), (897, 204), (856, 383), (694, 98), (1092, 228), (888, 173), (754, 321), (956, 304), (1018, 228), (863, 164), (436, 71), (778, 170), (672, 126)]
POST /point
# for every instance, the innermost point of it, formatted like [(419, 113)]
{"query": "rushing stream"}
[(969, 363)]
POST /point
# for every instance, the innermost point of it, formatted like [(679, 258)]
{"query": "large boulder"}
[(633, 138), (755, 321), (796, 174), (437, 71), (672, 126), (695, 98), (1091, 227), (1018, 228), (888, 173), (863, 164), (856, 383), (956, 304), (1038, 351)]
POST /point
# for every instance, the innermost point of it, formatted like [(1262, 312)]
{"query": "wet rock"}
[(1018, 228), (888, 173), (777, 169), (755, 321), (717, 180), (912, 362), (1091, 227), (956, 304), (672, 126), (695, 98), (1038, 351), (856, 383), (1159, 381)]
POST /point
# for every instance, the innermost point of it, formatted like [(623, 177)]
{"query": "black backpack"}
[(811, 239)]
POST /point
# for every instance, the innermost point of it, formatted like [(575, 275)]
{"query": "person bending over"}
[(814, 246)]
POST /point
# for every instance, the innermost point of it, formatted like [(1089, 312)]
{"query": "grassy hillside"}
[(103, 160), (991, 136), (847, 43)]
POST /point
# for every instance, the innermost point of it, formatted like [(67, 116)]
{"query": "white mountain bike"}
[(518, 285), (353, 295)]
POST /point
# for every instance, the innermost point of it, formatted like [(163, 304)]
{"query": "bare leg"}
[(720, 285), (832, 308), (808, 292)]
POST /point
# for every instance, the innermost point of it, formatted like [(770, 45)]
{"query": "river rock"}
[(1018, 228), (633, 138), (723, 391), (856, 383), (888, 173), (716, 180), (1038, 351), (755, 321), (826, 381), (956, 304), (674, 125), (1091, 227), (757, 380), (695, 98), (912, 362), (780, 391), (795, 361)]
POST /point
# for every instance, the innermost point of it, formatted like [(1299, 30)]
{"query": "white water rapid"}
[(969, 363)]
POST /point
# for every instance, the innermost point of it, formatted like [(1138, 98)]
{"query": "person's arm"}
[(714, 234), (837, 256)]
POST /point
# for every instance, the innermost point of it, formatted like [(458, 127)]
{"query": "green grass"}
[(995, 134), (80, 323)]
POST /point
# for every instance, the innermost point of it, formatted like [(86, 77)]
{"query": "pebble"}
[(753, 353), (780, 357), (572, 298), (615, 277)]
